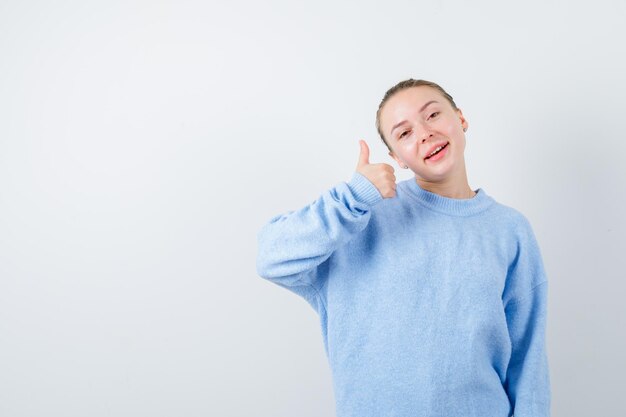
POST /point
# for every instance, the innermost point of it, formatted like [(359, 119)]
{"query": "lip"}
[(435, 146)]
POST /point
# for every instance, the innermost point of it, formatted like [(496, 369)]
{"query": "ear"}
[(463, 119), (398, 160)]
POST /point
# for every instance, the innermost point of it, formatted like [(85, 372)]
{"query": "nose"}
[(426, 134)]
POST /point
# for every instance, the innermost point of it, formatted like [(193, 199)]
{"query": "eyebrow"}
[(421, 110)]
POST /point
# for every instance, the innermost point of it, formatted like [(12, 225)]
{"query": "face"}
[(419, 120)]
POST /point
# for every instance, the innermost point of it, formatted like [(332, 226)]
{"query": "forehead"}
[(407, 103)]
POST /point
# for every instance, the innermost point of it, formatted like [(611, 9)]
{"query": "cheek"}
[(449, 128)]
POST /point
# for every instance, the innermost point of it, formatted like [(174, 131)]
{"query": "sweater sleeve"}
[(527, 379), (292, 246)]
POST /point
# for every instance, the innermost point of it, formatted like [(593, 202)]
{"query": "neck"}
[(450, 189)]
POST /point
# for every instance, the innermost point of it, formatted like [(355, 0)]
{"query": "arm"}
[(292, 245), (527, 380)]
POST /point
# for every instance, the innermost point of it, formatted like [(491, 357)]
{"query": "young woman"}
[(431, 296)]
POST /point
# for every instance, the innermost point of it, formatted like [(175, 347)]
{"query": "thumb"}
[(364, 156)]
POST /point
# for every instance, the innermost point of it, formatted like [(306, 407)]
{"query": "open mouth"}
[(436, 151)]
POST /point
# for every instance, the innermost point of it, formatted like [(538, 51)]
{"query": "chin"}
[(438, 174)]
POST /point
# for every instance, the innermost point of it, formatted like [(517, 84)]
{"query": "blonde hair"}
[(403, 85)]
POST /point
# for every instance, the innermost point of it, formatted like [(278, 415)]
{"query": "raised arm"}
[(292, 245)]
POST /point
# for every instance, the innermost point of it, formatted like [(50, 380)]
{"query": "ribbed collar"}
[(451, 206)]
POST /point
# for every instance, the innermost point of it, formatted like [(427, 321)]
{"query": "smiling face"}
[(418, 121)]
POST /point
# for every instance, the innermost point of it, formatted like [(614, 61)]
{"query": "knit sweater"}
[(429, 306)]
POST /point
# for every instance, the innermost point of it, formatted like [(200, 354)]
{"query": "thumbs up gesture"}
[(381, 175)]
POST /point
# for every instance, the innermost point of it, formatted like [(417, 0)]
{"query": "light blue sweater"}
[(429, 306)]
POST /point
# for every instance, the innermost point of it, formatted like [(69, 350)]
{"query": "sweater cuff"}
[(363, 190)]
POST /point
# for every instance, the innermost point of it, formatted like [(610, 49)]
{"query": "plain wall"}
[(144, 144)]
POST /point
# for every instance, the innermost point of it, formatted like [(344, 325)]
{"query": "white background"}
[(144, 144)]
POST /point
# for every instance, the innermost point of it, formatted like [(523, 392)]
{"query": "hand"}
[(381, 175)]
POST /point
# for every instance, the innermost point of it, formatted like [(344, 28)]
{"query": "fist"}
[(381, 175)]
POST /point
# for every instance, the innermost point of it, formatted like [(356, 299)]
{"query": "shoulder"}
[(509, 226), (510, 219), (525, 270)]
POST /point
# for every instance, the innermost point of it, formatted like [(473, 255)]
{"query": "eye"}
[(403, 134), (435, 114)]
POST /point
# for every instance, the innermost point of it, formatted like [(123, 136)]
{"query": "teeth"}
[(436, 150)]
